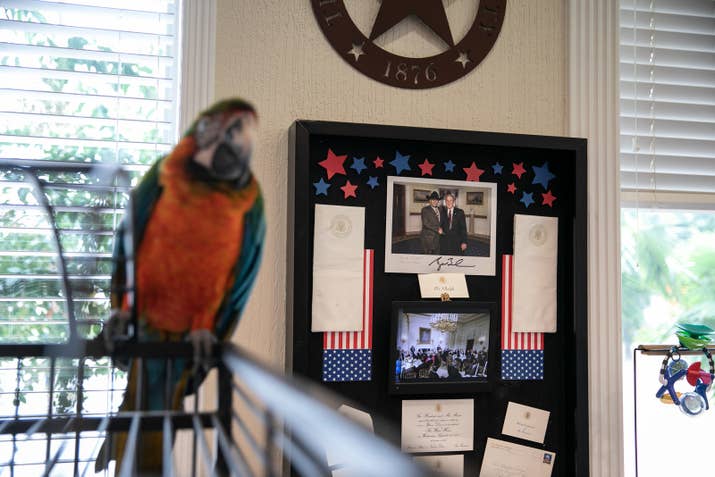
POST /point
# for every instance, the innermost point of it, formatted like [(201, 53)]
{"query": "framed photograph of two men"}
[(430, 226)]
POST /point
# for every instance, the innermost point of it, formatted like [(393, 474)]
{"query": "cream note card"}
[(434, 285), (451, 465), (504, 459), (338, 250), (437, 425), (525, 422), (534, 276)]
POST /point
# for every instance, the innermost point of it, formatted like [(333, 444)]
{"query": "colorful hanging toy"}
[(673, 369)]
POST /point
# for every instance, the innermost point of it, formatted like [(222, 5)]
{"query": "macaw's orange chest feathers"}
[(186, 258)]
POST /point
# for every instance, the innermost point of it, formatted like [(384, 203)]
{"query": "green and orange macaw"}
[(199, 228)]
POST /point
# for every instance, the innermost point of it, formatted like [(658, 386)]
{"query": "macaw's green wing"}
[(143, 198), (245, 271)]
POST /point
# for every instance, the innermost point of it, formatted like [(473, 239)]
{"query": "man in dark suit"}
[(431, 230), (454, 225)]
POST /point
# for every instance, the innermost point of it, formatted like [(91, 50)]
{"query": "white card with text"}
[(434, 285), (526, 422), (437, 425)]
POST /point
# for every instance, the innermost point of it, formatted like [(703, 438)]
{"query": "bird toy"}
[(673, 369)]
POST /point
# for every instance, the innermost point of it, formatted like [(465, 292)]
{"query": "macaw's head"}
[(225, 137)]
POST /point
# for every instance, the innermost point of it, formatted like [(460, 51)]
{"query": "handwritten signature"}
[(449, 262)]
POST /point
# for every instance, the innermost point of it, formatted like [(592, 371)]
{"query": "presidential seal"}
[(341, 226), (538, 235)]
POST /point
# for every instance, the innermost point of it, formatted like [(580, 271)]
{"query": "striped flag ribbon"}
[(347, 355), (522, 353)]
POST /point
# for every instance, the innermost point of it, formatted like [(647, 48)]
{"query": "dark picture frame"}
[(457, 360), (513, 162), (420, 195), (475, 198)]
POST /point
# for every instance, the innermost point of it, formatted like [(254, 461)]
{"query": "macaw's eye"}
[(207, 131)]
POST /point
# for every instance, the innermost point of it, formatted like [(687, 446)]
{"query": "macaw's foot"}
[(202, 341), (115, 330)]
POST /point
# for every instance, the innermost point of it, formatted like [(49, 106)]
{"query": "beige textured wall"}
[(273, 53)]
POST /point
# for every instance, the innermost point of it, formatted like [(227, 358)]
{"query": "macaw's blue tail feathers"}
[(162, 387)]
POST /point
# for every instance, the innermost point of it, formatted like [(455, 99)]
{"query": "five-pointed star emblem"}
[(463, 59), (356, 51), (431, 12)]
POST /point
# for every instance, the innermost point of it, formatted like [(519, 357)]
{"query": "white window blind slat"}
[(664, 22), (701, 95), (105, 34), (667, 40), (72, 14), (83, 82), (32, 52), (672, 129), (699, 8), (16, 76), (666, 183), (668, 110), (669, 146), (668, 164), (668, 75), (662, 57)]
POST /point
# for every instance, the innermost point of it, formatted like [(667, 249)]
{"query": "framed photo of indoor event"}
[(441, 347)]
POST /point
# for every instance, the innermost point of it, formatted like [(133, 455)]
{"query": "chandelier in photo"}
[(444, 321)]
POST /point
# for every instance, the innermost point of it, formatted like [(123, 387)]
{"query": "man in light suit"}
[(431, 229), (454, 225)]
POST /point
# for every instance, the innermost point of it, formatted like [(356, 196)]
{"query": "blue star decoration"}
[(497, 168), (449, 166), (543, 175), (358, 164), (669, 385), (372, 182), (321, 187), (400, 162), (527, 198)]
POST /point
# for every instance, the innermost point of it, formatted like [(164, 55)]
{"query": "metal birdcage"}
[(59, 402)]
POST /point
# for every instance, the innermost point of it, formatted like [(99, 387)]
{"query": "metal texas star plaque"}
[(407, 72)]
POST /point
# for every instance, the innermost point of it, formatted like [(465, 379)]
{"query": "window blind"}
[(667, 91), (82, 82)]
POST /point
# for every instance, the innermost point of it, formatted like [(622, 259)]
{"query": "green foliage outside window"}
[(667, 272)]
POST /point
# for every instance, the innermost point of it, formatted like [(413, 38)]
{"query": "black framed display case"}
[(515, 173)]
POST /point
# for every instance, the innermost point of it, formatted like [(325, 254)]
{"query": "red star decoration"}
[(334, 164), (548, 198), (473, 172), (349, 189), (518, 170), (511, 188), (426, 167), (378, 162)]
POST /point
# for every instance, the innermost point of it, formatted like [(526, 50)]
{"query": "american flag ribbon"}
[(347, 355), (522, 355), (511, 339), (357, 339)]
